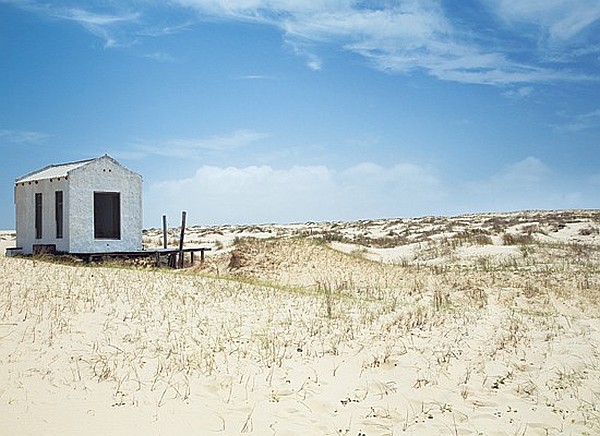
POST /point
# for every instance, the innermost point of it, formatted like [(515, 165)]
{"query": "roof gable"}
[(58, 170)]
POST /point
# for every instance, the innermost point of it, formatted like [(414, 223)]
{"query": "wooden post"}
[(183, 215), (201, 256), (164, 231)]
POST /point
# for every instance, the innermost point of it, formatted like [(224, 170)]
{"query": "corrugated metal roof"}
[(52, 171)]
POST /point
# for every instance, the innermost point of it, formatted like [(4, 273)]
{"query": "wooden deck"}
[(171, 257)]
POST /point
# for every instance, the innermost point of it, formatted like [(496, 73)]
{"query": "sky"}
[(279, 111)]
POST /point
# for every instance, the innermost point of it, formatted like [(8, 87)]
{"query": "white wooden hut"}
[(90, 206)]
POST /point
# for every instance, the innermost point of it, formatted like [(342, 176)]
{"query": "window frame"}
[(107, 215), (39, 213), (59, 213)]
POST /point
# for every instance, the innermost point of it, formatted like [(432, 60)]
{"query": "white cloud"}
[(414, 24), (526, 184), (193, 147), (525, 174), (106, 26), (412, 35), (305, 50), (578, 123), (300, 193), (561, 19), (87, 18), (22, 137), (262, 194), (314, 63), (101, 25), (519, 93), (160, 57), (400, 37), (255, 77), (528, 171)]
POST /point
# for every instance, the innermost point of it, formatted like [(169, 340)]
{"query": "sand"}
[(416, 326)]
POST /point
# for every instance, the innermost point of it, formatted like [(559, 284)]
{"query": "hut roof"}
[(52, 171)]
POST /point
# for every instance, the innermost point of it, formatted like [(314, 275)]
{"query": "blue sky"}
[(253, 111)]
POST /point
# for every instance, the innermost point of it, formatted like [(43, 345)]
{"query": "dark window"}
[(38, 216), (107, 215), (58, 213)]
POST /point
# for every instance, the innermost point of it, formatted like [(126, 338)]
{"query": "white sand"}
[(301, 338)]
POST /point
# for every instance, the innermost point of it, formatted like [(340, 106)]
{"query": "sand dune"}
[(471, 325)]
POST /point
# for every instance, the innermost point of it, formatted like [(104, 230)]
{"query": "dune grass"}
[(293, 330)]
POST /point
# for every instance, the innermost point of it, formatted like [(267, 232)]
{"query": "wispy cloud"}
[(195, 147), (22, 137), (111, 27), (255, 77), (411, 35), (160, 29), (104, 26), (87, 18), (559, 19), (305, 50), (578, 123), (159, 56), (401, 37), (519, 93)]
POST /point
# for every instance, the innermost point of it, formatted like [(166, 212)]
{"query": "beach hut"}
[(90, 206)]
